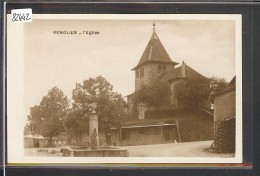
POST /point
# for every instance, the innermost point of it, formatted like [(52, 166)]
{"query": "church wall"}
[(173, 98), (204, 103), (150, 74), (166, 103), (132, 108)]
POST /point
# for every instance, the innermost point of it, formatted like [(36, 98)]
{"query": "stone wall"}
[(225, 135)]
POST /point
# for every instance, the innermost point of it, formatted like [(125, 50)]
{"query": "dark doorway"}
[(167, 135), (36, 143), (109, 139), (170, 133)]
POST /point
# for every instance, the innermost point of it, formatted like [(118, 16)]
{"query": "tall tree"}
[(217, 84), (27, 128), (111, 106), (46, 119), (76, 122)]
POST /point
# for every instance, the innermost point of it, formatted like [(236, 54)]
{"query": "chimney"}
[(142, 108), (183, 69)]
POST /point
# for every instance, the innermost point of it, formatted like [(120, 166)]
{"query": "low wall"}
[(225, 135), (110, 152)]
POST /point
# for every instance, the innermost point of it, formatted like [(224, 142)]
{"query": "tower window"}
[(159, 69), (164, 68), (137, 74), (142, 72)]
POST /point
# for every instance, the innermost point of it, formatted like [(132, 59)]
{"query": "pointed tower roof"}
[(155, 52)]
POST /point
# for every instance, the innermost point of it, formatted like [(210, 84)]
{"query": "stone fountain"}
[(94, 149)]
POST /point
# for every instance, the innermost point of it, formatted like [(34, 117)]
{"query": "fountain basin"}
[(101, 152)]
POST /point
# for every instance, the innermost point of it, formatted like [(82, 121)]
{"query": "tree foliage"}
[(188, 91), (191, 88), (110, 105), (27, 128), (75, 122), (151, 95), (217, 84), (46, 119)]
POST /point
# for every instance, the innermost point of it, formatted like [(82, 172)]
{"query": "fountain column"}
[(93, 124), (93, 128)]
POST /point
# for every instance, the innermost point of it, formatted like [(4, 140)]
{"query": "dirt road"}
[(187, 149)]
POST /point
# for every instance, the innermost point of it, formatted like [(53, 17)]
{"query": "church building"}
[(173, 119)]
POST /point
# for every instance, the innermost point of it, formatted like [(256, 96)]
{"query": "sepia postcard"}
[(117, 88)]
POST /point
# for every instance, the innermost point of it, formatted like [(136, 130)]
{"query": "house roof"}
[(154, 53), (31, 136), (233, 81), (192, 114), (129, 95), (231, 86), (61, 136), (183, 71)]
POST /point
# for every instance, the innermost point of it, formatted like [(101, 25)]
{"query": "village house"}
[(225, 118), (38, 141), (173, 120), (34, 141)]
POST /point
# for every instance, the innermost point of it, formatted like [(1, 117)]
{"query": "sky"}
[(208, 46)]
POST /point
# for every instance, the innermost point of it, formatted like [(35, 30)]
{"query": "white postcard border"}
[(15, 92)]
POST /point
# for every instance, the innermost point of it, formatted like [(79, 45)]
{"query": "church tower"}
[(154, 62)]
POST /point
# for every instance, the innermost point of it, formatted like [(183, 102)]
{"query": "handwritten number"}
[(27, 16), (20, 17), (15, 17)]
